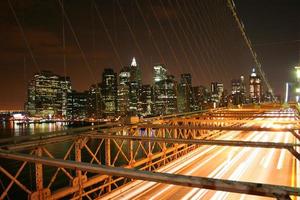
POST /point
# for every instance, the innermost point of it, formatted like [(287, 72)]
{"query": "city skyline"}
[(123, 94), (149, 99), (45, 38)]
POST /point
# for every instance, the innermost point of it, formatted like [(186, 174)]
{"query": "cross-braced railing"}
[(37, 169)]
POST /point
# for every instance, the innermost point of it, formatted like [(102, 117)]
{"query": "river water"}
[(27, 177), (11, 128)]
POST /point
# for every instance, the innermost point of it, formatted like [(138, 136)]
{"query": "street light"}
[(297, 85), (297, 68)]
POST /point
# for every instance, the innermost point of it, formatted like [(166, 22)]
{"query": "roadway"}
[(272, 166)]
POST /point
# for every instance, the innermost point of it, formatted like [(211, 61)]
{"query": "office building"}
[(145, 101), (217, 90), (94, 102), (77, 105), (47, 95), (109, 92), (134, 87), (123, 91), (255, 87), (165, 96), (185, 93), (159, 73), (238, 91)]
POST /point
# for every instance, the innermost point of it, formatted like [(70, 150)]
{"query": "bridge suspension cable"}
[(25, 39), (231, 5)]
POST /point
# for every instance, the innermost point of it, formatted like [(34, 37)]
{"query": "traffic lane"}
[(178, 191), (217, 159), (130, 193), (264, 169)]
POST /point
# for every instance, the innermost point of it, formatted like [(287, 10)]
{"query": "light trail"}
[(234, 163), (270, 155), (201, 192), (282, 153), (172, 168)]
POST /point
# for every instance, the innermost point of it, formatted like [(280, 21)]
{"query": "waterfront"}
[(12, 128), (58, 150)]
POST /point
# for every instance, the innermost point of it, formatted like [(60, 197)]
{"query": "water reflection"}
[(11, 128)]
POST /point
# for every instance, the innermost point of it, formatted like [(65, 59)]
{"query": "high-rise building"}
[(47, 95), (196, 98), (145, 101), (135, 71), (94, 102), (123, 91), (201, 98), (255, 87), (243, 86), (185, 93), (238, 91), (160, 73), (134, 87), (77, 105), (109, 92), (165, 96), (217, 90)]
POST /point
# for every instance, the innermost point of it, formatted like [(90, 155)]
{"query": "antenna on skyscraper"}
[(133, 62)]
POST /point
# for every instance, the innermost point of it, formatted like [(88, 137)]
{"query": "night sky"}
[(189, 36)]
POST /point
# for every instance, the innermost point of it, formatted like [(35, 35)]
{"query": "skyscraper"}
[(196, 98), (238, 91), (145, 101), (185, 93), (94, 102), (47, 95), (135, 71), (255, 87), (160, 73), (77, 105), (134, 86), (217, 90), (109, 92), (123, 92), (165, 96)]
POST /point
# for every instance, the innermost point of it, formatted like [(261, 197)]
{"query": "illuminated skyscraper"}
[(123, 91), (238, 91), (47, 95), (185, 93), (135, 71), (109, 92), (77, 105), (160, 73), (217, 90), (134, 87), (165, 96), (145, 101), (94, 102), (255, 87)]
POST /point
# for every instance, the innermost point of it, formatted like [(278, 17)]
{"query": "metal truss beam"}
[(222, 128), (289, 146), (49, 140), (240, 121), (241, 115), (199, 141), (260, 189)]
